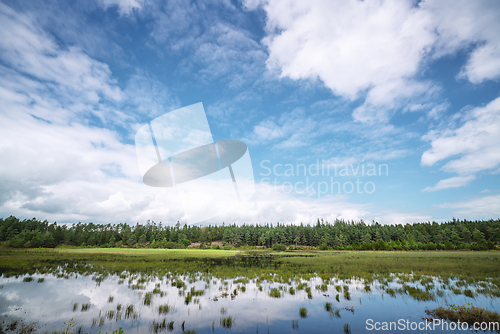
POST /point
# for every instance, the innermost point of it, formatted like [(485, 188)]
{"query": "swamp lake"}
[(141, 291)]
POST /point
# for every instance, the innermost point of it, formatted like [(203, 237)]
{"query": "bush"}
[(465, 313), (173, 245), (279, 247)]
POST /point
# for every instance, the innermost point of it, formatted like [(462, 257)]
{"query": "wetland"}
[(94, 290)]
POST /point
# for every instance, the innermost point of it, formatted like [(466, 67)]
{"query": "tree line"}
[(340, 234)]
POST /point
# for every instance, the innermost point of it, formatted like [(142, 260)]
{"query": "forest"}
[(323, 235)]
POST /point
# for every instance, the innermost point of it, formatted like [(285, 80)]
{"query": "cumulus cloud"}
[(471, 147), (375, 49), (58, 167), (468, 24), (351, 46), (485, 207), (54, 163)]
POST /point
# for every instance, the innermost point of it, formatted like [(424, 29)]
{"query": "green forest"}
[(337, 235)]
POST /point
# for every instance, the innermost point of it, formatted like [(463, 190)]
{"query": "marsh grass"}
[(157, 291), (227, 322), (147, 298), (164, 309), (110, 314), (85, 307), (322, 287), (303, 312), (465, 313), (328, 306), (468, 293), (275, 293), (416, 293), (420, 279), (129, 312), (159, 326), (335, 312)]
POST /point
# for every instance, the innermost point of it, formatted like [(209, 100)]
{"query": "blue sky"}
[(411, 87)]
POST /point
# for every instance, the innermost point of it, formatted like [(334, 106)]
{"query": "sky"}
[(370, 110)]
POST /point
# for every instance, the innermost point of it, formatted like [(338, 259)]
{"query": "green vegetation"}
[(227, 322), (275, 293), (147, 298), (465, 313), (303, 312), (159, 326), (472, 265), (340, 235)]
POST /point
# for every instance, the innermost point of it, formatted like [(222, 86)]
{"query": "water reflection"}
[(145, 302)]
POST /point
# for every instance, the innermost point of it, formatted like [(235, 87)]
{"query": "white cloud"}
[(462, 24), (452, 182), (58, 167), (29, 50), (376, 49), (473, 146), (209, 39), (275, 204), (319, 135), (54, 163), (351, 46), (486, 207), (291, 129)]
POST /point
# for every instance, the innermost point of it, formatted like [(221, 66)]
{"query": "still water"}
[(200, 302), (150, 294)]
